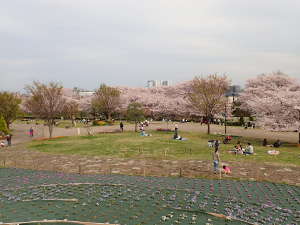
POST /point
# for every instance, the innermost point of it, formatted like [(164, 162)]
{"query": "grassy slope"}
[(132, 145)]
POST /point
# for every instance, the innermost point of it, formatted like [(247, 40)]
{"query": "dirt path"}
[(18, 156), (21, 131), (187, 168)]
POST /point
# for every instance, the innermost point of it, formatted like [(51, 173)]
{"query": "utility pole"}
[(225, 116)]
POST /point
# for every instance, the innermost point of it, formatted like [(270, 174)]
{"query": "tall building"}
[(157, 83), (165, 83), (232, 95)]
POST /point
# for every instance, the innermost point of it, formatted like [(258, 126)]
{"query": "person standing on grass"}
[(31, 132), (122, 126), (216, 144), (8, 139), (265, 142), (176, 131), (216, 158)]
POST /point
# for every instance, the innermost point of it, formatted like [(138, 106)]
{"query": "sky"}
[(84, 43)]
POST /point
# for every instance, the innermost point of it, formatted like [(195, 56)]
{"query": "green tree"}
[(3, 127), (135, 112), (106, 100), (238, 111), (9, 106), (46, 102)]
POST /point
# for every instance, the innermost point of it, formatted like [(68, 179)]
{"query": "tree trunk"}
[(208, 127), (299, 138), (50, 126), (109, 116), (135, 128), (73, 121)]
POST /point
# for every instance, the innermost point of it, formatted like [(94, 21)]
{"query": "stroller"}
[(212, 143), (227, 140)]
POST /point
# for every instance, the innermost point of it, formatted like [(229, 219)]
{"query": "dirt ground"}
[(19, 156)]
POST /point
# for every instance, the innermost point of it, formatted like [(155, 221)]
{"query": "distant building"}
[(165, 83), (151, 83), (157, 83), (233, 92), (86, 93), (80, 93)]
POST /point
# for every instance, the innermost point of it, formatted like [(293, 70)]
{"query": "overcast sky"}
[(126, 42)]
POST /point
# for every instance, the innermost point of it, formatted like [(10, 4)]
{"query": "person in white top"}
[(249, 150)]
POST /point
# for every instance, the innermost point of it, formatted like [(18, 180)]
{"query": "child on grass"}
[(226, 170)]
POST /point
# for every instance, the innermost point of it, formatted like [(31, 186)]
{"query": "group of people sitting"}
[(2, 144), (276, 144), (142, 130), (238, 149), (8, 139)]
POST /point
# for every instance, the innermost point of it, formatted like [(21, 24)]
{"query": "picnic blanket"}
[(273, 152)]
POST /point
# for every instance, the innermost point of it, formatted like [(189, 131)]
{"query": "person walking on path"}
[(8, 139), (31, 132), (216, 158), (121, 127)]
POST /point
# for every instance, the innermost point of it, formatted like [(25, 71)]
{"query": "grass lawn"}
[(132, 145)]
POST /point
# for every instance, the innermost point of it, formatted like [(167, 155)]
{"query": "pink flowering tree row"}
[(275, 101), (164, 101)]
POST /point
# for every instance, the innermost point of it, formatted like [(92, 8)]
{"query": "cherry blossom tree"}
[(275, 101), (159, 102), (162, 101)]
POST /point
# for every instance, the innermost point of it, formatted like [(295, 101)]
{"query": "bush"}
[(234, 123), (3, 126), (109, 122), (163, 129), (102, 123)]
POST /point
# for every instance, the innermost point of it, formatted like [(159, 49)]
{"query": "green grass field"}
[(161, 145)]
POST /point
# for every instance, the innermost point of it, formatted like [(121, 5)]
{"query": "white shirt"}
[(250, 149)]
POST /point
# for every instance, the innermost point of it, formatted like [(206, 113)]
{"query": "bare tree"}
[(70, 110), (9, 106), (106, 100), (207, 95), (46, 102)]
